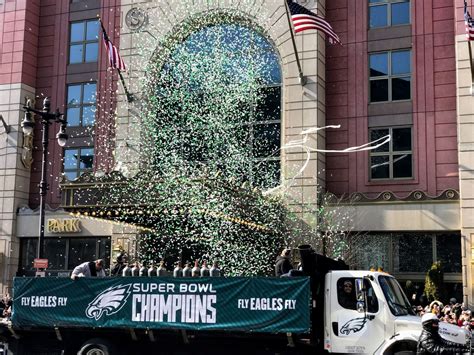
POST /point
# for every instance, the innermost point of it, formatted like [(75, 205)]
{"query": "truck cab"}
[(368, 312)]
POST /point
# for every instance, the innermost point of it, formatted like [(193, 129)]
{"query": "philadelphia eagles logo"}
[(354, 325), (108, 302)]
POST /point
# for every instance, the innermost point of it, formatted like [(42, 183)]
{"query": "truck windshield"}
[(396, 299)]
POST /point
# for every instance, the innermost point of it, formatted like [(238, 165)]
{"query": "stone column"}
[(465, 113), (18, 40), (14, 177)]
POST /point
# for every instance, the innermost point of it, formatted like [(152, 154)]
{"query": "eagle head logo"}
[(108, 302), (354, 325)]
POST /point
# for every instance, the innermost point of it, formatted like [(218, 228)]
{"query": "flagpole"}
[(302, 78), (129, 96), (470, 54)]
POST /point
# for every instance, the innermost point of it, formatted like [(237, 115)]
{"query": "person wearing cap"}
[(89, 269), (430, 342)]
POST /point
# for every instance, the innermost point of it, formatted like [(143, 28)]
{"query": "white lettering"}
[(153, 287), (189, 310), (211, 318), (166, 307), (135, 315), (174, 308), (40, 301)]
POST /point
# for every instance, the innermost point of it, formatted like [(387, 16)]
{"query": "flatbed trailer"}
[(183, 316), (225, 315)]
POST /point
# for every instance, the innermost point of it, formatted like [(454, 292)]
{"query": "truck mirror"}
[(359, 286), (361, 307)]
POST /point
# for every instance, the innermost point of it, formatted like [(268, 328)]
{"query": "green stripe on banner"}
[(257, 304)]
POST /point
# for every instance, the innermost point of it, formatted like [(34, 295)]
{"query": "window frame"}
[(257, 160), (98, 245), (374, 306), (383, 244), (257, 48), (389, 4), (81, 105), (84, 42), (390, 153), (390, 76), (78, 169), (24, 266)]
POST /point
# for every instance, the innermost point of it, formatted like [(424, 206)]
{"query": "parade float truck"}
[(225, 315)]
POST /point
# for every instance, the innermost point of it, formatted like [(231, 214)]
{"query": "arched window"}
[(219, 97)]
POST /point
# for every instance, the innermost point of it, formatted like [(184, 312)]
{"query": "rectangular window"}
[(386, 13), (81, 104), (390, 76), (64, 253), (84, 42), (346, 294), (81, 250), (448, 250), (264, 138), (393, 160), (77, 161), (404, 260), (409, 256), (369, 251)]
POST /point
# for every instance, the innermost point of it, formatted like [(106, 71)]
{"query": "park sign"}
[(255, 304)]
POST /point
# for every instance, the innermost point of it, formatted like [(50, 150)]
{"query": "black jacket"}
[(282, 266), (117, 269), (430, 342)]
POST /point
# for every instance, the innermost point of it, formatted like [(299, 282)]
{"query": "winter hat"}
[(427, 317)]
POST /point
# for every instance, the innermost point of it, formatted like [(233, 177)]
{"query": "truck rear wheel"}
[(97, 346)]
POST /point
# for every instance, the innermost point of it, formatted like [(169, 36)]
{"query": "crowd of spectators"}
[(5, 307), (453, 313)]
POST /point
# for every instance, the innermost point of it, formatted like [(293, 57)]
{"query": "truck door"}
[(352, 331)]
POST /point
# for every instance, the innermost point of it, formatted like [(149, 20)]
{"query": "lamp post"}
[(28, 125)]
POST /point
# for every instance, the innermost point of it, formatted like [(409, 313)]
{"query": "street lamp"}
[(28, 125), (6, 126)]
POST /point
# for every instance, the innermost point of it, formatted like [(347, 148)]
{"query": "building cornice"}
[(417, 196)]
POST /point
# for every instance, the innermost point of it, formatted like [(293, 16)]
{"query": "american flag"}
[(115, 60), (469, 24), (303, 20)]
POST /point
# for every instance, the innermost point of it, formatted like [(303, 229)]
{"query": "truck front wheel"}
[(97, 346), (402, 348)]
